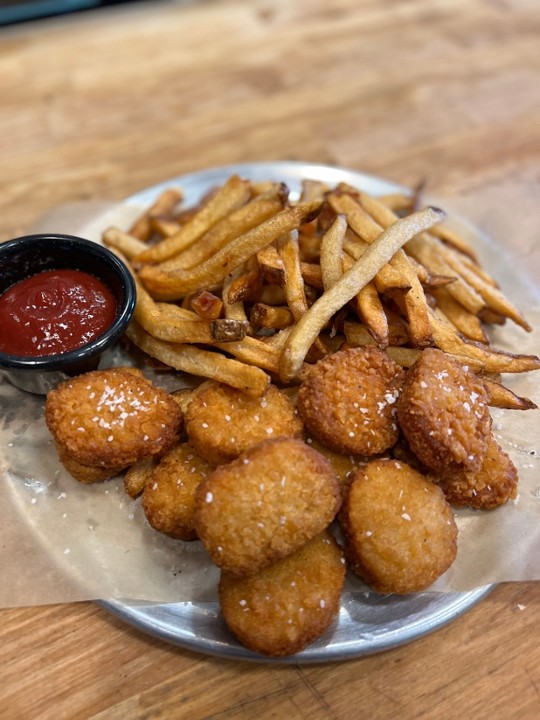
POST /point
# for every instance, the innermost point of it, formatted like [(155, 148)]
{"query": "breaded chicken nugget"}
[(493, 485), (348, 401), (87, 474), (112, 418), (168, 498), (289, 604), (443, 413), (223, 422), (400, 534), (343, 465), (265, 504)]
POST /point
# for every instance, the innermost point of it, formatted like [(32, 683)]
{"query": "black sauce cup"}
[(26, 256)]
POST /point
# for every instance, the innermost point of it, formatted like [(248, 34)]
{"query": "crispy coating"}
[(86, 474), (112, 418), (287, 605), (168, 498), (400, 534), (265, 504), (443, 413), (348, 401), (223, 422), (493, 485), (343, 465)]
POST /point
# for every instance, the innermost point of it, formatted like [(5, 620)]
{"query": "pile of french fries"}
[(251, 286)]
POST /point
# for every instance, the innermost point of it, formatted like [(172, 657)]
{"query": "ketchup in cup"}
[(54, 311)]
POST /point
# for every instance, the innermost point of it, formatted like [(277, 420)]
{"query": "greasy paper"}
[(64, 541)]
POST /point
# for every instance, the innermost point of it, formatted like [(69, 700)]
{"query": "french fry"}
[(138, 475), (414, 301), (447, 338), (207, 305), (164, 204), (331, 257), (425, 248), (491, 295), (239, 221), (350, 284), (233, 310), (234, 193), (177, 283), (271, 316), (503, 397), (203, 363), (466, 322), (128, 245)]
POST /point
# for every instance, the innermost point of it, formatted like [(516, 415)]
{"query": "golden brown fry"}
[(230, 227), (369, 308), (231, 195), (449, 237), (332, 252), (358, 334), (491, 295), (202, 363), (177, 283), (271, 316), (207, 305), (232, 310), (138, 475), (362, 272), (468, 324), (128, 245), (503, 397), (163, 204), (414, 301), (447, 338), (164, 226)]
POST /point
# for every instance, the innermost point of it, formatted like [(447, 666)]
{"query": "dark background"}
[(15, 11)]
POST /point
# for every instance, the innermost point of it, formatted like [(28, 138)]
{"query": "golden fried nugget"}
[(168, 498), (443, 413), (343, 465), (348, 401), (493, 485), (86, 474), (289, 604), (400, 533), (112, 418), (223, 422), (265, 504)]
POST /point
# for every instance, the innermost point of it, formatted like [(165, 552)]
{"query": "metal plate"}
[(367, 622)]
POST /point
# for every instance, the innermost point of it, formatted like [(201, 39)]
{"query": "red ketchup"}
[(53, 312)]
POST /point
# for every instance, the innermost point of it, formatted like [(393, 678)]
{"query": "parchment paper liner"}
[(62, 541)]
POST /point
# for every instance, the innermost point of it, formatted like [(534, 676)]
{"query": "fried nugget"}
[(289, 604), (493, 485), (223, 422), (86, 474), (168, 498), (400, 533), (265, 504), (443, 413), (112, 418), (343, 465), (348, 401)]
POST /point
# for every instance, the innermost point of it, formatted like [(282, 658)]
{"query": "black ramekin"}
[(26, 256)]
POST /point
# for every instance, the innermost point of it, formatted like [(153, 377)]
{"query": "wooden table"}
[(101, 104)]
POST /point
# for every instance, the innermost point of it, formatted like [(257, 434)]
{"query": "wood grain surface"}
[(102, 104)]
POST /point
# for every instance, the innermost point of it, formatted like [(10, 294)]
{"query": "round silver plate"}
[(367, 622)]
